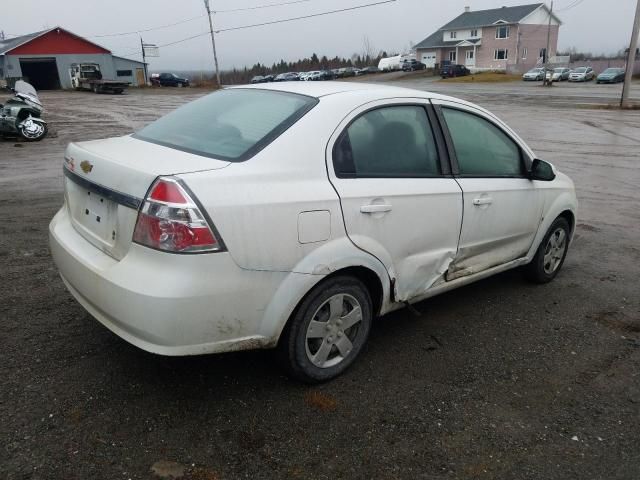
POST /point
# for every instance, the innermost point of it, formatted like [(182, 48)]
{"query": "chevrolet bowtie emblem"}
[(86, 166)]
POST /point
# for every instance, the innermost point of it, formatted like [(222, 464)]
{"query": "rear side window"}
[(482, 149), (231, 125), (388, 142)]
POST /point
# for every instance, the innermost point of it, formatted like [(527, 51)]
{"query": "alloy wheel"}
[(332, 330)]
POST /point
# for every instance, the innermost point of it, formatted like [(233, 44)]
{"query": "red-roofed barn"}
[(44, 59)]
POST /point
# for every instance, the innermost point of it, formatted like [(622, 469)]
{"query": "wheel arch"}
[(305, 277)]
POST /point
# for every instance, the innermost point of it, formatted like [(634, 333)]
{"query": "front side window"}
[(387, 142), (482, 149), (231, 124), (500, 54), (502, 31)]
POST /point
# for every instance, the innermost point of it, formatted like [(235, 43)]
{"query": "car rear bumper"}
[(168, 304)]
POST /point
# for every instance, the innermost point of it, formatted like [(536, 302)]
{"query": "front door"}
[(140, 76), (470, 58), (502, 207), (396, 202)]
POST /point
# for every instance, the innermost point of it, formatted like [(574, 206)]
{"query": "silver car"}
[(582, 74)]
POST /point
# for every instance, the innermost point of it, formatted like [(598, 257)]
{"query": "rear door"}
[(399, 201), (502, 207)]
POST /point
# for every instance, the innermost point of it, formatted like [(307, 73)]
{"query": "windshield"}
[(23, 87), (611, 70), (559, 70), (231, 125), (535, 70), (580, 70)]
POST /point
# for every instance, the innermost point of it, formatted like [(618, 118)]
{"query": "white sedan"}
[(290, 215)]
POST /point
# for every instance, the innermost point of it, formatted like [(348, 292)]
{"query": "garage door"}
[(429, 59), (42, 73)]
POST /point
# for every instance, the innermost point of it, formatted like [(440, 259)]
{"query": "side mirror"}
[(541, 170)]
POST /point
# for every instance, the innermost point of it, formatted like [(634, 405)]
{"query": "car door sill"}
[(459, 282)]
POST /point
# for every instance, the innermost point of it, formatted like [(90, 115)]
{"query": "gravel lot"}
[(500, 379)]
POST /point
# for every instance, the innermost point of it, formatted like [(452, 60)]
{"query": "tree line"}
[(314, 62)]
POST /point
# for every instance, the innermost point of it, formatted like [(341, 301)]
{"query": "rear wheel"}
[(551, 253), (327, 331)]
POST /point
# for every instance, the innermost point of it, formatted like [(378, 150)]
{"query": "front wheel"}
[(327, 331), (32, 131), (551, 253)]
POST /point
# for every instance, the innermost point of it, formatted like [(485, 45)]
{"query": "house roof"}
[(480, 18), (11, 43)]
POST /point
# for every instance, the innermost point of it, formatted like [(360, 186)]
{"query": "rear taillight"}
[(171, 220)]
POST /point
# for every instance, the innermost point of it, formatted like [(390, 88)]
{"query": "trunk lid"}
[(106, 181)]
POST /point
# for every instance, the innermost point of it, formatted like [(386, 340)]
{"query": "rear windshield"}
[(231, 125)]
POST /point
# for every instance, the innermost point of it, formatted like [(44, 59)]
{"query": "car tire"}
[(551, 253), (316, 346)]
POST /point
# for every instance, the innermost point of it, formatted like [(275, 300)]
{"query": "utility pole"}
[(213, 42), (633, 47), (546, 52), (144, 61)]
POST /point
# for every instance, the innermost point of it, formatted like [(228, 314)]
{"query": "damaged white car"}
[(290, 215)]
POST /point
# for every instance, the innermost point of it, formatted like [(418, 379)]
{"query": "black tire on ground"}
[(295, 349), (540, 270)]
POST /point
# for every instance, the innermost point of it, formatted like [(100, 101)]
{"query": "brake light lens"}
[(170, 220)]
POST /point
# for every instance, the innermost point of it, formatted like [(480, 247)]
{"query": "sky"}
[(591, 25)]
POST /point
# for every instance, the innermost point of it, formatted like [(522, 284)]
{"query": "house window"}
[(524, 53), (124, 73), (453, 34), (502, 31), (452, 55), (469, 55), (474, 33), (500, 54)]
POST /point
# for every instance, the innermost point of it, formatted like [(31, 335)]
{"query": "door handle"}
[(374, 208), (483, 201)]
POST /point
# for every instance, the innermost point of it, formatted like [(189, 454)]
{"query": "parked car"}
[(370, 69), (258, 79), (310, 75), (448, 71), (611, 75), (327, 75), (558, 74), (582, 74), (322, 75), (358, 72), (172, 80), (287, 77), (184, 238), (535, 74), (412, 65), (346, 72), (268, 78)]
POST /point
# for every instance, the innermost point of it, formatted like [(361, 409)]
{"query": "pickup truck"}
[(87, 76)]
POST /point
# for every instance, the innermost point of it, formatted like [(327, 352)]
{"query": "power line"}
[(147, 29), (269, 5), (278, 21), (304, 16), (570, 6)]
